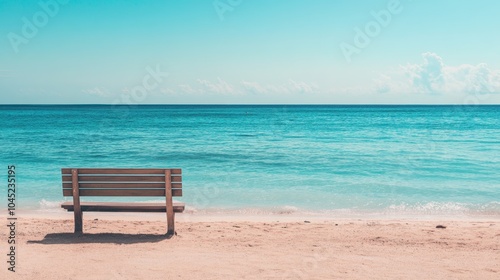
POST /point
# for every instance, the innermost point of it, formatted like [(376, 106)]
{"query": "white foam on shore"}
[(49, 206), (426, 211)]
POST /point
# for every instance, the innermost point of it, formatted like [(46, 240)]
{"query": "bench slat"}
[(122, 179), (174, 171), (122, 192), (124, 207), (123, 185)]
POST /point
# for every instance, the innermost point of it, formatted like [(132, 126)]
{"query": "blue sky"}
[(250, 51)]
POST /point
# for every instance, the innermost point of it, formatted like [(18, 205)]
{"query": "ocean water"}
[(412, 160)]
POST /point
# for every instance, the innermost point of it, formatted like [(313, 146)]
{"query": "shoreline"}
[(427, 211), (244, 217)]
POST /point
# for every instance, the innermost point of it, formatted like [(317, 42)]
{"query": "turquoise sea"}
[(411, 160)]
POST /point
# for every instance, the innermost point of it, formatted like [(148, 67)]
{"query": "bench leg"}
[(170, 225), (76, 201), (78, 222), (169, 204)]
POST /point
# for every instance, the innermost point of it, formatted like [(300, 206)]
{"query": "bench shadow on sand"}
[(112, 238)]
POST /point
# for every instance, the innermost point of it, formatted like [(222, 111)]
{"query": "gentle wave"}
[(402, 210)]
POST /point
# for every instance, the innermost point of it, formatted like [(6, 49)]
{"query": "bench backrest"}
[(121, 181)]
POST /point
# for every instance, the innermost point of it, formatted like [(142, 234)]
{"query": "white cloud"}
[(187, 89), (220, 86), (291, 87), (253, 87), (427, 77), (301, 87), (474, 79), (97, 91), (433, 76), (224, 88)]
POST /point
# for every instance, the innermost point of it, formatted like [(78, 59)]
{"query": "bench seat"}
[(123, 207)]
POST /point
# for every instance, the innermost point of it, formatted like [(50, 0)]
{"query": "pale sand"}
[(128, 247)]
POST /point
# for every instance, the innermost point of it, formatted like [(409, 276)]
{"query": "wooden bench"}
[(77, 182)]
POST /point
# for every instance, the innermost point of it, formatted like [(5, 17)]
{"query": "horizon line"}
[(247, 104)]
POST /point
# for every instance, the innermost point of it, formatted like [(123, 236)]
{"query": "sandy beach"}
[(276, 247)]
